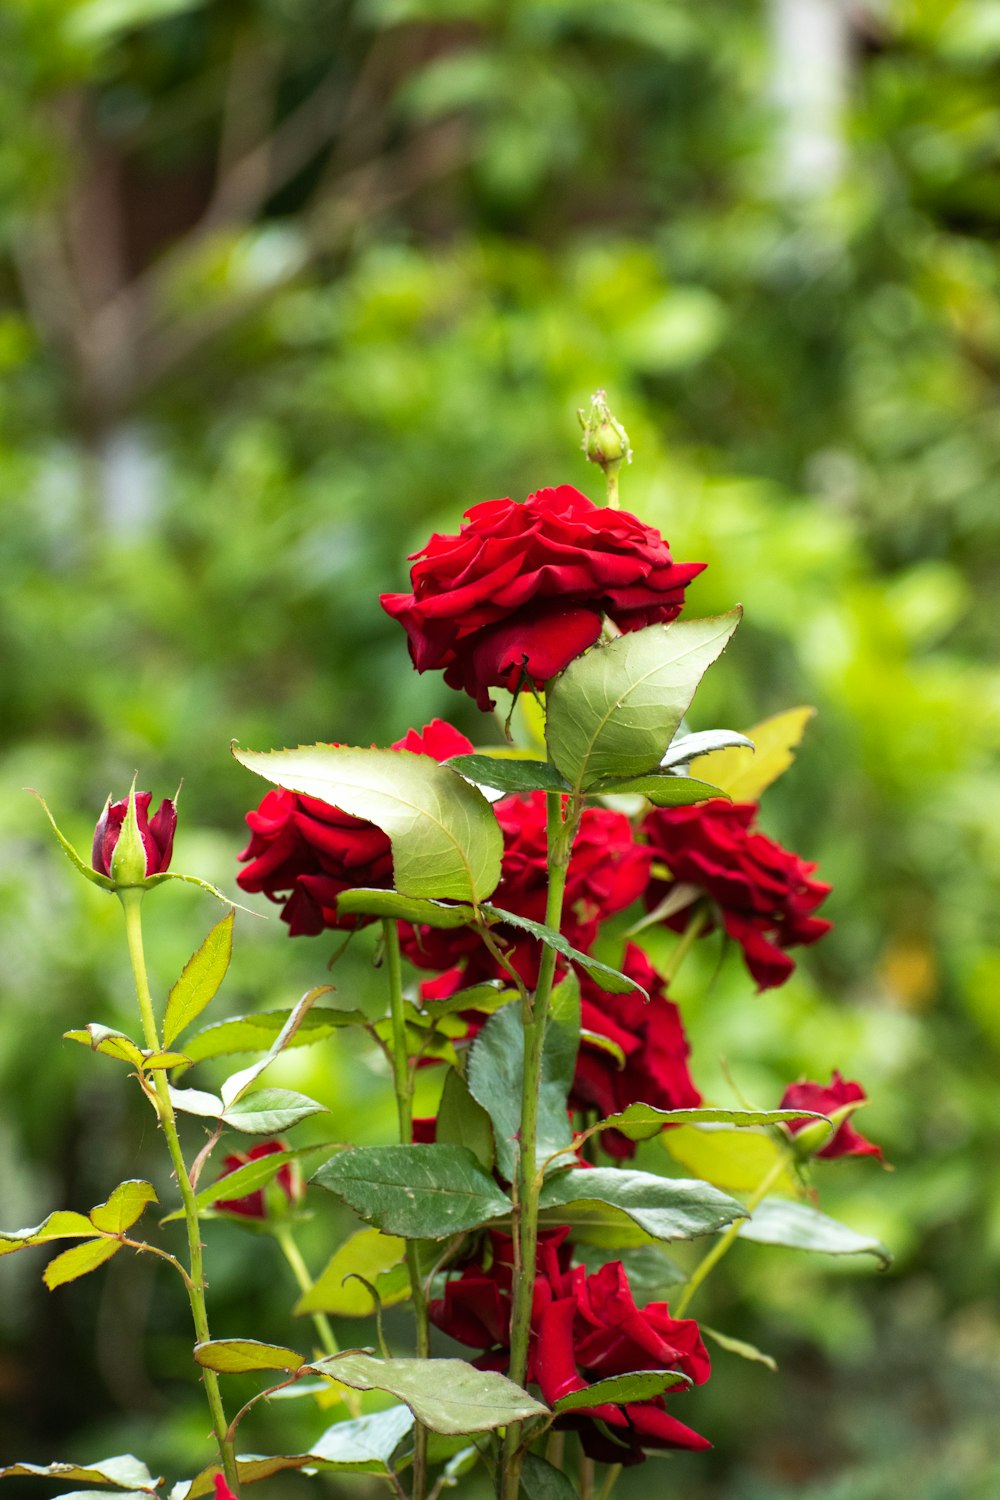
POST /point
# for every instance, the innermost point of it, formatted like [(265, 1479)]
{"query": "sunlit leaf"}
[(736, 1158), (200, 980), (239, 1356), (126, 1204), (446, 1395), (746, 774), (77, 1262), (337, 1290)]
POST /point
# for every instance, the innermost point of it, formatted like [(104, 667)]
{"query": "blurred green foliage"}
[(289, 283)]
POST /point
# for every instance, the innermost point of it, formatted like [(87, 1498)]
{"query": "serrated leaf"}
[(746, 774), (642, 1121), (240, 1356), (446, 1395), (365, 1444), (80, 864), (446, 842), (419, 1192), (367, 1253), (256, 1033), (270, 1111), (127, 1203), (64, 1224), (668, 1208), (735, 1158), (782, 1221), (612, 980), (505, 775), (662, 790), (200, 980), (123, 1470), (638, 1385), (540, 1480), (377, 903), (485, 998), (686, 747), (614, 710), (738, 1346), (111, 1043), (237, 1084), (462, 1120), (77, 1262), (249, 1178)]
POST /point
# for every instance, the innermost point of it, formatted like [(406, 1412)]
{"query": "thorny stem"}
[(534, 1015), (718, 1250), (131, 900), (403, 1081)]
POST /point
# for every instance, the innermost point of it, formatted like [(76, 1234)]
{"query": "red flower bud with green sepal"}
[(837, 1099), (156, 834)]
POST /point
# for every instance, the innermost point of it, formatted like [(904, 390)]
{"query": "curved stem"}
[(403, 1080), (304, 1282), (534, 1015), (131, 900), (683, 946), (709, 1261)]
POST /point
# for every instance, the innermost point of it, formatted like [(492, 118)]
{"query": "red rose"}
[(583, 1329), (826, 1099), (762, 893), (649, 1033), (157, 833), (608, 871), (303, 853), (522, 589), (253, 1205)]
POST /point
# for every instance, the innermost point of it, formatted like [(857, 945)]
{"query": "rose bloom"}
[(156, 832), (608, 871), (649, 1033), (253, 1205), (523, 588), (303, 853), (826, 1099), (583, 1329), (763, 894)]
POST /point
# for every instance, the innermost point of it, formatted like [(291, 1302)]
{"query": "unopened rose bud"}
[(129, 849), (605, 440)]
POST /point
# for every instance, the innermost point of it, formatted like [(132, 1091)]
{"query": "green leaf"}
[(196, 1102), (111, 1043), (446, 842), (642, 1121), (485, 998), (419, 1192), (738, 1346), (77, 1262), (541, 1481), (609, 979), (248, 1470), (249, 1178), (365, 1444), (638, 1385), (668, 1208), (376, 903), (736, 1158), (239, 1356), (651, 1273), (781, 1221), (614, 710), (685, 747), (255, 1033), (446, 1395), (462, 1120), (200, 980), (237, 1084), (662, 790), (367, 1253), (509, 775), (270, 1111), (71, 854), (124, 1471), (127, 1203)]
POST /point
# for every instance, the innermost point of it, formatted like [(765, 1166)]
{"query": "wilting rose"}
[(826, 1099), (608, 871), (583, 1329), (522, 589), (763, 894), (303, 853), (651, 1036), (156, 832), (254, 1205)]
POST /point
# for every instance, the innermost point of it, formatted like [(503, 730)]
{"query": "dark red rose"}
[(222, 1490), (649, 1033), (583, 1329), (762, 893), (522, 589), (253, 1205), (608, 871), (157, 833), (826, 1099), (303, 853)]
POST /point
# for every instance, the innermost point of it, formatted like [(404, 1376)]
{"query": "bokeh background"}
[(288, 283)]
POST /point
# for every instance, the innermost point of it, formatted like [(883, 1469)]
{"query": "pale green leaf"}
[(123, 1470), (781, 1221), (365, 1444), (376, 903), (237, 1084), (200, 980), (446, 1395), (270, 1111), (256, 1033), (662, 790), (668, 1208)]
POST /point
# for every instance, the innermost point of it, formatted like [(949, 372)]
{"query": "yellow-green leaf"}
[(126, 1204), (745, 774), (239, 1356), (367, 1253), (734, 1158), (202, 975), (78, 1261)]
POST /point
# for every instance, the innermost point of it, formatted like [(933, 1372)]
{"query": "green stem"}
[(534, 1015), (683, 946), (304, 1282), (131, 900), (611, 478), (718, 1250), (610, 1480), (403, 1080)]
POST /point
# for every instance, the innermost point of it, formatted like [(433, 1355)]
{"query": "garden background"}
[(287, 284)]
